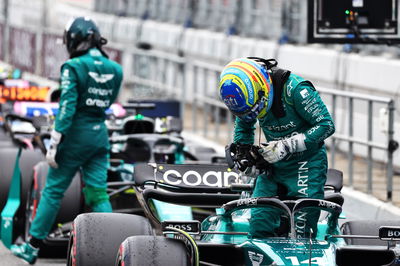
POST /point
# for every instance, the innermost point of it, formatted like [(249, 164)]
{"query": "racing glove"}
[(52, 150), (242, 161), (277, 150)]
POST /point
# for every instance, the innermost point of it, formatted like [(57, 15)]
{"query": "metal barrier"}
[(256, 18), (389, 146), (209, 116)]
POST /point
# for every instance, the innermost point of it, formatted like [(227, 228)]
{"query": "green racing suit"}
[(303, 174), (89, 85)]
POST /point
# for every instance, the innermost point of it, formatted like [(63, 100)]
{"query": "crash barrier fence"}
[(195, 83), (37, 51), (155, 73), (335, 67), (256, 18)]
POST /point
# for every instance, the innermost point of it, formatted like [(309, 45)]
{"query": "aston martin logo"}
[(255, 258), (102, 78)]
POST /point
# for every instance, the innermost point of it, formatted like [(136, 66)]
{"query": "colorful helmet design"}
[(246, 88)]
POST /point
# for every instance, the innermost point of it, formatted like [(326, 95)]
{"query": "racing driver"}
[(295, 123), (90, 83)]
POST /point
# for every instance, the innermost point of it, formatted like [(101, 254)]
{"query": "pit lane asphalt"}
[(8, 259)]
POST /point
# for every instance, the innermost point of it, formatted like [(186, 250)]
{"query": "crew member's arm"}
[(68, 100), (312, 109), (118, 82), (244, 131), (66, 111)]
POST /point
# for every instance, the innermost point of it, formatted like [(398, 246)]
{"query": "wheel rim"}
[(31, 206), (70, 256)]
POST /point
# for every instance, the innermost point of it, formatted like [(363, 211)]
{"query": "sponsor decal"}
[(294, 133), (248, 83), (230, 101), (102, 78), (326, 204), (291, 124), (101, 92), (289, 88), (319, 118), (304, 93), (96, 127), (302, 179), (63, 110), (310, 103), (247, 201), (313, 129), (312, 108), (187, 226), (316, 112), (95, 53), (6, 222), (65, 83), (193, 178), (301, 223), (97, 102), (255, 258), (393, 233), (389, 232), (65, 73)]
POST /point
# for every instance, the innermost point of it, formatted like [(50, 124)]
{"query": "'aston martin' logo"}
[(255, 258), (102, 78)]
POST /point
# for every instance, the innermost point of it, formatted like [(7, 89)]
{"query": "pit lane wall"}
[(37, 49)]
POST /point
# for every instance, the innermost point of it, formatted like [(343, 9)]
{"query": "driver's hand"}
[(274, 151), (242, 157), (52, 150), (251, 171)]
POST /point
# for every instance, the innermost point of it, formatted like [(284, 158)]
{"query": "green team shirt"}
[(305, 113), (89, 85)]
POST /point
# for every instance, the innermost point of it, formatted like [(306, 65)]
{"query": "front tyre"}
[(95, 237), (152, 250)]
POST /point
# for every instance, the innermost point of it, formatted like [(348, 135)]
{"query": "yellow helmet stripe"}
[(252, 79), (264, 84)]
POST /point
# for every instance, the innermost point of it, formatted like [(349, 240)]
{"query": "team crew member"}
[(295, 123), (90, 83)]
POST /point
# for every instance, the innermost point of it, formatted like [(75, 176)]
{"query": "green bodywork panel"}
[(279, 250), (12, 205)]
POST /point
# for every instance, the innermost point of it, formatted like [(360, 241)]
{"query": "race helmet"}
[(81, 34), (246, 88)]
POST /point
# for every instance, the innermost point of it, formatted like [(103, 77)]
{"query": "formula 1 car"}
[(224, 239), (128, 148)]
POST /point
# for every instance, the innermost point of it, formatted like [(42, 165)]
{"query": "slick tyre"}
[(71, 205), (96, 237), (152, 250), (366, 227)]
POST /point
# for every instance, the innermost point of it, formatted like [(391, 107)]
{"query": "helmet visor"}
[(254, 112)]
